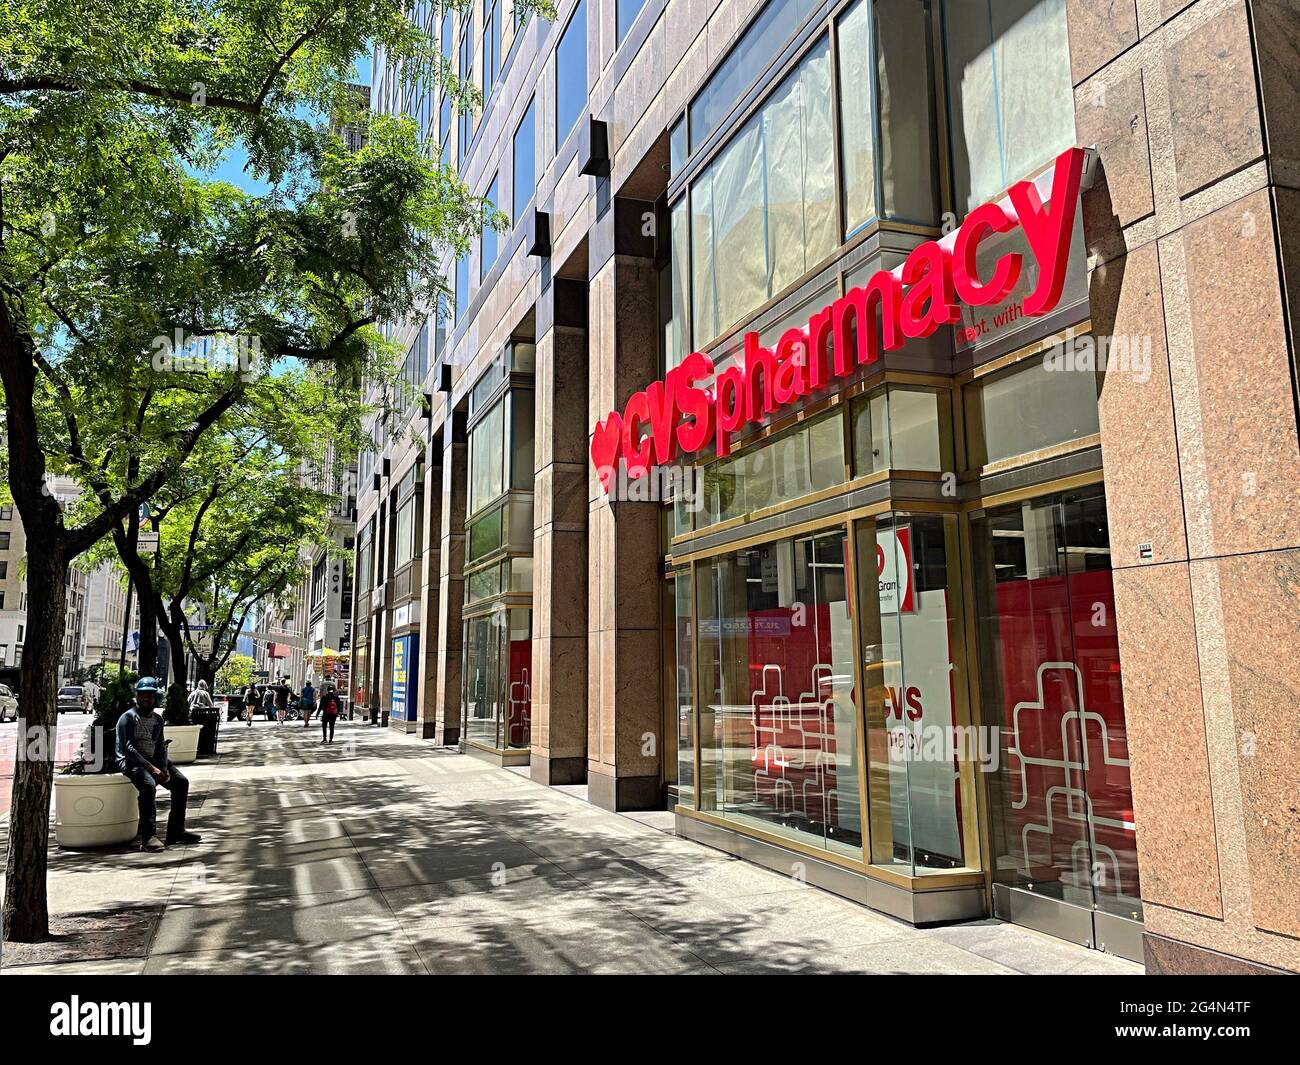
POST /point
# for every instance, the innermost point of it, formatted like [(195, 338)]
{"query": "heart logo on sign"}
[(606, 439)]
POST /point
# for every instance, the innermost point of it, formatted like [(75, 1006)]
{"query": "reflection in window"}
[(460, 291), (627, 11), (487, 458), (490, 240), (794, 464), (920, 785), (524, 156), (1026, 408), (763, 212), (758, 46), (685, 689), (777, 722), (571, 74), (902, 428), (885, 43), (1010, 97)]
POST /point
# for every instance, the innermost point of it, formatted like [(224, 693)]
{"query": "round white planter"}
[(184, 742), (94, 810)]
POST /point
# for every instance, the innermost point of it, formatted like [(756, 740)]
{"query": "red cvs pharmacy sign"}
[(692, 408)]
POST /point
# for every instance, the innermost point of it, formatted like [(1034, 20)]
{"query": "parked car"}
[(72, 700), (8, 704)]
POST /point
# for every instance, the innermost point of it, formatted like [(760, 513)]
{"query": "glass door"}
[(1064, 842)]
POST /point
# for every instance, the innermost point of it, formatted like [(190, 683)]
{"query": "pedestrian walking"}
[(268, 701), (250, 703), (283, 691), (142, 758), (307, 699), (329, 713)]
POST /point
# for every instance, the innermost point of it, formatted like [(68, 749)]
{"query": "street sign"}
[(147, 543)]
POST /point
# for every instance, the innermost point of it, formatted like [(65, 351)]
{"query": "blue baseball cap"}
[(146, 684)]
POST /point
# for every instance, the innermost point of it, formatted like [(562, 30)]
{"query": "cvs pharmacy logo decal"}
[(694, 408)]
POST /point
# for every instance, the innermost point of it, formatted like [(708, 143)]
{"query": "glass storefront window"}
[(777, 722), (1061, 803), (685, 688), (903, 428), (497, 685), (1026, 408), (920, 750), (763, 211), (1010, 97), (796, 463)]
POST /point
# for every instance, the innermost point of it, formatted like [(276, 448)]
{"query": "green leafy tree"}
[(115, 242), (236, 674)]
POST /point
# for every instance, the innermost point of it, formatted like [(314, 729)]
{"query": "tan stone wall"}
[(1190, 237)]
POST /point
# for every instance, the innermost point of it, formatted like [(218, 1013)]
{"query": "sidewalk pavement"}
[(383, 854)]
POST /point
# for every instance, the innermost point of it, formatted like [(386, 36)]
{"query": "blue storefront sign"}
[(405, 677)]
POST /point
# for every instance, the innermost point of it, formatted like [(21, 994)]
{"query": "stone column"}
[(430, 589), (559, 690), (451, 583), (624, 705), (1193, 232)]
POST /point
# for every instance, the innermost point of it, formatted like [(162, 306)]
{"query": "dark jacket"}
[(129, 755), (329, 704)]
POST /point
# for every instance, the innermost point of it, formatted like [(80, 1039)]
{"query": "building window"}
[(758, 46), (6, 512), (488, 257), (491, 44), (627, 11), (4, 541), (763, 212), (883, 44), (1026, 408), (465, 69), (487, 458), (4, 570), (903, 428), (685, 640), (1010, 100), (405, 550), (460, 292), (796, 463), (524, 158), (776, 674), (446, 43), (571, 74)]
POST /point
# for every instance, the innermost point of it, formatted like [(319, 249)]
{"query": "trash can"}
[(209, 722)]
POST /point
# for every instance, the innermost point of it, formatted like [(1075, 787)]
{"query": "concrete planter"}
[(95, 810), (184, 742)]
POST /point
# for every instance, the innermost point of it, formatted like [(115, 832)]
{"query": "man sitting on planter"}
[(142, 756)]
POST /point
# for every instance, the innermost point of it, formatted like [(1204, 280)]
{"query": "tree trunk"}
[(176, 645), (207, 671), (26, 912), (148, 656)]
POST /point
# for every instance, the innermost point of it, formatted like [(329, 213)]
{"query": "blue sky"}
[(232, 166)]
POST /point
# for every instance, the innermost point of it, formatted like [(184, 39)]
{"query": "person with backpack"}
[(329, 713), (307, 700)]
